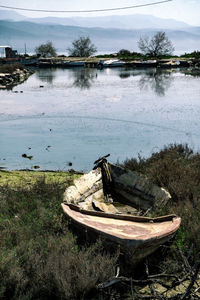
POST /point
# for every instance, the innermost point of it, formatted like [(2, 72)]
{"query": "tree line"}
[(158, 45), (82, 47)]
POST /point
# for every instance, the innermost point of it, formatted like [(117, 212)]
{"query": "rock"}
[(4, 74), (8, 80)]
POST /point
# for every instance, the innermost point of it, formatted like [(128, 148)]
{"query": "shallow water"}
[(81, 114)]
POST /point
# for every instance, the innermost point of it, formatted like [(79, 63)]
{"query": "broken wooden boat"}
[(110, 187), (139, 236), (109, 201)]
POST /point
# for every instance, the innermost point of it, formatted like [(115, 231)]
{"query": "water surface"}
[(74, 116)]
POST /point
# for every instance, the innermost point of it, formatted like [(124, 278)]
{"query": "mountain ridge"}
[(135, 21), (33, 34)]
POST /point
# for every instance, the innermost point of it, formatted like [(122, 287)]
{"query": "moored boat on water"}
[(72, 64), (144, 63), (98, 202), (170, 64), (111, 63), (32, 61)]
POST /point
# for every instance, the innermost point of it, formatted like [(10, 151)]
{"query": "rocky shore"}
[(11, 79)]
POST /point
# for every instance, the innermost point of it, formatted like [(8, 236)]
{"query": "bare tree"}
[(46, 49), (158, 45), (82, 47)]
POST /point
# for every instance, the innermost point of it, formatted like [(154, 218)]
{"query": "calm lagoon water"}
[(81, 114)]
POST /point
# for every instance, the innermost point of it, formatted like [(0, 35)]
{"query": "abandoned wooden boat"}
[(108, 186), (140, 236), (109, 200)]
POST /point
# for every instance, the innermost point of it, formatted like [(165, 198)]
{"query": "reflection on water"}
[(84, 78), (151, 79), (157, 80), (45, 75), (124, 74), (192, 72), (113, 113)]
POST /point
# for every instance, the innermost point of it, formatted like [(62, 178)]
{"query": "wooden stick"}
[(193, 279)]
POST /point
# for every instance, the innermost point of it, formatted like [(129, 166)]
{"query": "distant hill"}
[(11, 15), (136, 21), (106, 39)]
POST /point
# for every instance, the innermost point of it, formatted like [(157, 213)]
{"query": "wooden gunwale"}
[(153, 242), (122, 217)]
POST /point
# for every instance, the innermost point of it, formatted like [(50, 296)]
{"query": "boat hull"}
[(110, 64), (137, 236), (91, 205)]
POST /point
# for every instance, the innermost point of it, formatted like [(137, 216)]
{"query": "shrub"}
[(195, 54), (40, 258), (177, 168), (124, 52)]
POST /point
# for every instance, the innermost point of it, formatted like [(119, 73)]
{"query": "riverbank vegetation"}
[(41, 258), (127, 55), (157, 46)]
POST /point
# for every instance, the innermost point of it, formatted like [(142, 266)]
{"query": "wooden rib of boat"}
[(106, 202)]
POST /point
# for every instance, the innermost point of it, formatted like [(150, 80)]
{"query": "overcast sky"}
[(183, 10)]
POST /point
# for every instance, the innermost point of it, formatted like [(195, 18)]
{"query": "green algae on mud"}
[(21, 178)]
